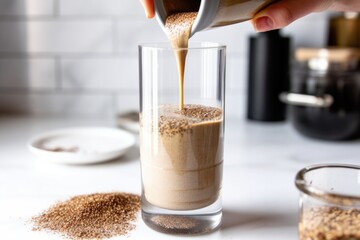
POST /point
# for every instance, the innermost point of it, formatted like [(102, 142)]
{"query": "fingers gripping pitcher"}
[(210, 13)]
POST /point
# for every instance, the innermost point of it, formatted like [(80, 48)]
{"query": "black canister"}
[(268, 76)]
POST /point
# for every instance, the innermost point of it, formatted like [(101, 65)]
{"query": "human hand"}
[(148, 7), (284, 12)]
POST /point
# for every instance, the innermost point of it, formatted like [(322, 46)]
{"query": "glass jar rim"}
[(304, 187), (192, 46)]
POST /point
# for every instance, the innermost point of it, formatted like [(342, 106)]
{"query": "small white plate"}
[(83, 145)]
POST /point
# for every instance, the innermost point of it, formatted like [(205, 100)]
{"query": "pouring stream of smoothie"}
[(178, 28)]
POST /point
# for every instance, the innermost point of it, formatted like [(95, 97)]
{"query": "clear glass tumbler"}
[(329, 202), (181, 149)]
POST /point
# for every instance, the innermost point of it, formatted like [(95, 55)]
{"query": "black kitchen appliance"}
[(324, 95), (269, 64)]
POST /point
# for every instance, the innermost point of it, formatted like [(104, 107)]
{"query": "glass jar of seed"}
[(329, 202)]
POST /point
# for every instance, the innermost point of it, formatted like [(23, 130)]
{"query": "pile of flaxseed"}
[(94, 216), (330, 223)]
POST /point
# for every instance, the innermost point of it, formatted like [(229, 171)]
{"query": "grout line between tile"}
[(58, 17), (114, 36), (80, 55), (58, 73), (56, 8), (78, 91)]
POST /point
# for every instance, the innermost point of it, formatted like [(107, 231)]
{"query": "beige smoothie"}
[(182, 156)]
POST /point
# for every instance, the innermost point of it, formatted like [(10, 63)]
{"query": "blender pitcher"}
[(211, 13)]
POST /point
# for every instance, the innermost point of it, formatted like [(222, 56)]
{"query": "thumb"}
[(284, 12), (149, 8)]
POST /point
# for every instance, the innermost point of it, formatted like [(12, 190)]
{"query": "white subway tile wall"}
[(116, 8), (27, 73), (112, 74), (56, 36), (27, 7), (79, 57), (53, 104)]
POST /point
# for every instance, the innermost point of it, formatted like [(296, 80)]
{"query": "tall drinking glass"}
[(182, 148)]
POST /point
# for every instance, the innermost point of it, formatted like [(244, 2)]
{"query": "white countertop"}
[(260, 200)]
